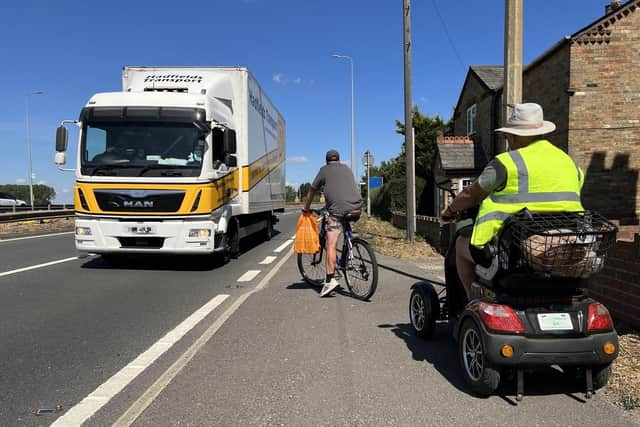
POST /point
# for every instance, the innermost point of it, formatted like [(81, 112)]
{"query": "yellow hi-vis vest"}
[(540, 177)]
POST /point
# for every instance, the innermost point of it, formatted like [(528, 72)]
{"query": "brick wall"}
[(604, 117), (475, 92), (618, 285), (551, 92)]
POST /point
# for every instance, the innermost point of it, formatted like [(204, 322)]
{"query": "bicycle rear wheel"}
[(313, 267), (362, 270)]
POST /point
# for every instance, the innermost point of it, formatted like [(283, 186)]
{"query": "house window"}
[(466, 182), (471, 120)]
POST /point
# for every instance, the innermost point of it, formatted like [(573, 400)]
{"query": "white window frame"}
[(471, 119)]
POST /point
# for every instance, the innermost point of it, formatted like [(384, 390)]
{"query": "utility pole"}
[(408, 123), (367, 160), (512, 89)]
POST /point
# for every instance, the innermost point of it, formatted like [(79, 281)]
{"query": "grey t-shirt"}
[(493, 177), (340, 191)]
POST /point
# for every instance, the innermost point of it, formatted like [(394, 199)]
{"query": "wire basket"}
[(565, 244)]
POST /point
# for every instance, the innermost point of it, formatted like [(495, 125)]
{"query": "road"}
[(179, 341)]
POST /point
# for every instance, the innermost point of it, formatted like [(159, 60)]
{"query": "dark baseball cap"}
[(332, 156)]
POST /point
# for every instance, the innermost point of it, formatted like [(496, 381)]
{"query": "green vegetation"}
[(42, 194), (392, 195)]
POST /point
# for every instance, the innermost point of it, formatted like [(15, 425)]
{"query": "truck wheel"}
[(478, 372), (232, 240), (268, 232)]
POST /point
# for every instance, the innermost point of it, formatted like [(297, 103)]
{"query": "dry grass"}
[(389, 240), (26, 228), (624, 385)]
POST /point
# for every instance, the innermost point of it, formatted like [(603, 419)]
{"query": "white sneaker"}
[(329, 287)]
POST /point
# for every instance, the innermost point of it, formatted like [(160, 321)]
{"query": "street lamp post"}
[(353, 154), (29, 147)]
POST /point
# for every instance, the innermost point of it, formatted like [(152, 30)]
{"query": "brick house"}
[(588, 85), (460, 159)]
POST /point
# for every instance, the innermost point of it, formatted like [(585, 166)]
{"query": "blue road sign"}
[(375, 182)]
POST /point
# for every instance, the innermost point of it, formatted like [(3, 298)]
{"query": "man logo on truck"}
[(138, 204)]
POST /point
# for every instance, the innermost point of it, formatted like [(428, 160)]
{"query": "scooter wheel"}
[(479, 373), (600, 374), (423, 310)]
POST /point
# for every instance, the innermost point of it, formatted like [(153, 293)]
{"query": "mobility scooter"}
[(529, 308)]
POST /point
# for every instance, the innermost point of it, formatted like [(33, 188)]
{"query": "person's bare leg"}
[(464, 264), (330, 247)]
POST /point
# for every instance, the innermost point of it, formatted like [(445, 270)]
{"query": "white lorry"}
[(183, 160)]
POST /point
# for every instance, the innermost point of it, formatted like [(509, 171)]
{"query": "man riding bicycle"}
[(341, 197)]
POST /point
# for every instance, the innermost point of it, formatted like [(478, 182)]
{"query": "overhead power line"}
[(446, 32)]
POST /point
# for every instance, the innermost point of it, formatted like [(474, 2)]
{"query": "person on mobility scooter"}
[(515, 275)]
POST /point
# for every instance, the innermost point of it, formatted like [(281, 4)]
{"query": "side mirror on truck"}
[(230, 160), (62, 140)]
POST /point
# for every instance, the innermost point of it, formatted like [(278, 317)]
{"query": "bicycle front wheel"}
[(362, 270), (313, 267)]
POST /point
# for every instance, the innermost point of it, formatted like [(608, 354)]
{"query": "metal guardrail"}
[(27, 208), (35, 215)]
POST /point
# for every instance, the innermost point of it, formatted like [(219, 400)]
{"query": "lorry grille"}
[(141, 242), (139, 200)]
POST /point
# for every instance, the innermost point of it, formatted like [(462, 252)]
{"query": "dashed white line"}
[(100, 396), (156, 388), (283, 246), (35, 237), (33, 267), (267, 260), (248, 276)]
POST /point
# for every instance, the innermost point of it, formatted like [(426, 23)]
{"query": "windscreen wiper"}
[(110, 167), (161, 166)]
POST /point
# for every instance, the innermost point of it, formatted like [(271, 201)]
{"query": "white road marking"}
[(35, 237), (100, 396), (283, 246), (156, 388), (34, 267), (248, 276), (267, 260)]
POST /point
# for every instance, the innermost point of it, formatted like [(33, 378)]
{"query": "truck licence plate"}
[(141, 229), (555, 321)]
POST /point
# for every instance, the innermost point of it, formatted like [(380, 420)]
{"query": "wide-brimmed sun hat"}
[(527, 120)]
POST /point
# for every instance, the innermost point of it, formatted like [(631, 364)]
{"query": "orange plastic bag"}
[(307, 238)]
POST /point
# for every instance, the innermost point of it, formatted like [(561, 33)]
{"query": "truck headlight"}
[(83, 231), (200, 232)]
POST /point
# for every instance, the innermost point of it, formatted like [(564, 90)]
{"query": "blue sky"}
[(71, 50)]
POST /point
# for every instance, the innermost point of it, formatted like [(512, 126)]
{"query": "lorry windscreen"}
[(127, 148)]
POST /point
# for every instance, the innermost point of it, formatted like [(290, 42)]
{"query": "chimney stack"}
[(611, 6)]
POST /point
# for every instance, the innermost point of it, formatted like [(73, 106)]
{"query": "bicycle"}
[(358, 262)]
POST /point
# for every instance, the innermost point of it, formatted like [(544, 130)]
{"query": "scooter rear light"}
[(599, 319), (500, 318)]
